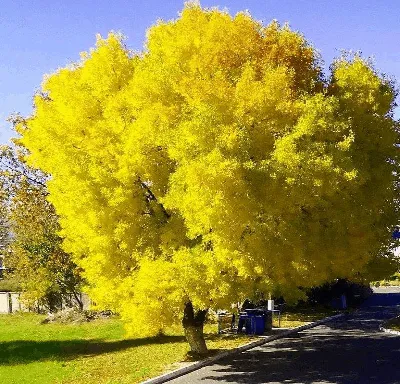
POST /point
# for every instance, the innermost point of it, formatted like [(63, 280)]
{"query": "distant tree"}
[(34, 255), (4, 229), (216, 165)]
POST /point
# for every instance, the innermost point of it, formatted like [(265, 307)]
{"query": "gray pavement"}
[(351, 350)]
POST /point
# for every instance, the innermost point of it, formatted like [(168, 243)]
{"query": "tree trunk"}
[(193, 325), (78, 300)]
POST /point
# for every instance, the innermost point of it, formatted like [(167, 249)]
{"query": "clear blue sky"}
[(39, 36)]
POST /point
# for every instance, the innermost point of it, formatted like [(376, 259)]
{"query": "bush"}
[(10, 284), (73, 315), (355, 292)]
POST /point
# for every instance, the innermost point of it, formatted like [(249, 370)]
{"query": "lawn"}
[(295, 317), (97, 352)]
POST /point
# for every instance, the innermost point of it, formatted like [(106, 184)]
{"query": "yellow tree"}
[(216, 165)]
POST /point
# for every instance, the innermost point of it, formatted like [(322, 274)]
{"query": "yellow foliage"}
[(214, 166)]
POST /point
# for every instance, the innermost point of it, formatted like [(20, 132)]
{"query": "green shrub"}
[(9, 284)]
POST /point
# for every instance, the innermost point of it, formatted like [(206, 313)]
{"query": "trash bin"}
[(258, 325), (255, 322)]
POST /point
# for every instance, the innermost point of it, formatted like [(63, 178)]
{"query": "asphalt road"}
[(352, 350)]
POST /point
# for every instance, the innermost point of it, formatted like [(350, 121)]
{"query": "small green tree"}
[(35, 258)]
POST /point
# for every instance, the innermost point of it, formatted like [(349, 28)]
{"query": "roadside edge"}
[(391, 331), (263, 340)]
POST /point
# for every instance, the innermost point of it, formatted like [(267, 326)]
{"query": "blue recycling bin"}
[(258, 325), (255, 322)]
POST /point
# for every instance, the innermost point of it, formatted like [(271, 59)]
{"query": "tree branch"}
[(21, 173), (152, 197)]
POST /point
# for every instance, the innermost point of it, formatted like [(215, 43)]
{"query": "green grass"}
[(295, 317), (98, 352), (95, 352)]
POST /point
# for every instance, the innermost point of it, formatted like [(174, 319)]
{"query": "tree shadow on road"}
[(350, 351), (351, 358)]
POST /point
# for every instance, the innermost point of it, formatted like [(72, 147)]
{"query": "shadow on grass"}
[(27, 351)]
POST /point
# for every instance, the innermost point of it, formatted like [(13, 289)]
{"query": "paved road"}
[(352, 350)]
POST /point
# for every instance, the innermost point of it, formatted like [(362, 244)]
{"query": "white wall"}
[(9, 302), (4, 302)]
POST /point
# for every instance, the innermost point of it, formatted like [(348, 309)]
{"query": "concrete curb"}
[(391, 331), (388, 330), (263, 340)]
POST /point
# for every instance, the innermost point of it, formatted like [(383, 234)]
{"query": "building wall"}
[(5, 302), (10, 302)]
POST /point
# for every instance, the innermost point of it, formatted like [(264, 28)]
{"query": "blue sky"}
[(39, 36)]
